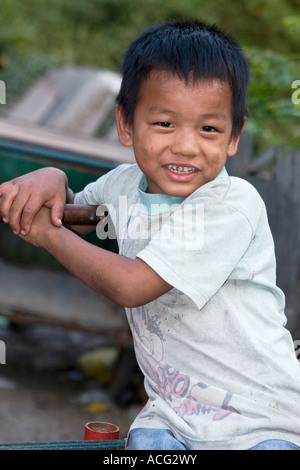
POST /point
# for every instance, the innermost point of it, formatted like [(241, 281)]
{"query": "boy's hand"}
[(22, 198), (40, 225)]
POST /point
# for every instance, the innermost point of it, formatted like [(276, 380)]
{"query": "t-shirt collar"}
[(157, 203)]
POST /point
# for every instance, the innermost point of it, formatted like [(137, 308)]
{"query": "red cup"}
[(100, 431)]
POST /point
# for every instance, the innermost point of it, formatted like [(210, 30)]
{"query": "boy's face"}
[(181, 133)]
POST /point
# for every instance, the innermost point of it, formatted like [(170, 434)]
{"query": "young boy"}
[(196, 268)]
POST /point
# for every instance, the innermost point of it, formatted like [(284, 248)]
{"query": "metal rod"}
[(79, 214)]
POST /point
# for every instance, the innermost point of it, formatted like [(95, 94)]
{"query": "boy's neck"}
[(143, 187), (162, 201)]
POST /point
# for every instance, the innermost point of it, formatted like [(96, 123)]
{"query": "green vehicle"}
[(26, 148), (33, 284)]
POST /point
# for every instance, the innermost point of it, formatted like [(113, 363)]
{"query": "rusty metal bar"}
[(79, 214)]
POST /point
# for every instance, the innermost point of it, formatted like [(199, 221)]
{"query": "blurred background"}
[(69, 358), (35, 38)]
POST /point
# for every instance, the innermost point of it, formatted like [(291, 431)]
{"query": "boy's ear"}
[(234, 142), (123, 128)]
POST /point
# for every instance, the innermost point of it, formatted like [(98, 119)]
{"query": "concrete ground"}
[(43, 394)]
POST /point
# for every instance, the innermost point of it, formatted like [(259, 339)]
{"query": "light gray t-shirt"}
[(220, 367)]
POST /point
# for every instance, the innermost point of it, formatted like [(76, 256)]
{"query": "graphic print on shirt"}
[(184, 394)]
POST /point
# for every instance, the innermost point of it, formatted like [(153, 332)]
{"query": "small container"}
[(100, 431)]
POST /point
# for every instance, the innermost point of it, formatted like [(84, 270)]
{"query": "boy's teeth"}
[(181, 169)]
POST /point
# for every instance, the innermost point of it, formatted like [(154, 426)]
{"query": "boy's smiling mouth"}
[(181, 169), (180, 173)]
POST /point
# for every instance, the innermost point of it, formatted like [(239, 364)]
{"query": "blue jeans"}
[(163, 439), (275, 444), (153, 439)]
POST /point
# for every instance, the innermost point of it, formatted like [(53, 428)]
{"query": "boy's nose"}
[(186, 142)]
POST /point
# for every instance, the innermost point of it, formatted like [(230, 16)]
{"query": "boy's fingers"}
[(13, 203), (4, 187), (7, 198), (22, 213), (57, 211), (11, 208), (32, 207)]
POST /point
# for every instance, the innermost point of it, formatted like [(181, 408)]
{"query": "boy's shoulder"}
[(124, 177), (235, 194), (130, 170), (228, 189), (239, 187)]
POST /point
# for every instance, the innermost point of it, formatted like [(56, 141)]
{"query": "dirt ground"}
[(44, 396)]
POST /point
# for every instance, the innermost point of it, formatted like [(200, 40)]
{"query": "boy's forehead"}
[(162, 84), (164, 78)]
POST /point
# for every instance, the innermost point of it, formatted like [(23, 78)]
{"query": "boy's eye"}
[(166, 125), (209, 129)]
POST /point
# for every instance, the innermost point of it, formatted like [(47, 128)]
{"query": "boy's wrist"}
[(48, 238)]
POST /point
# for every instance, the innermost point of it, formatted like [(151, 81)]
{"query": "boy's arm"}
[(128, 282)]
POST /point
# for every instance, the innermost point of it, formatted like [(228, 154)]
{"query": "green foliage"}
[(273, 118), (36, 35)]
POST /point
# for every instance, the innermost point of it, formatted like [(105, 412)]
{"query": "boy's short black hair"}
[(189, 50)]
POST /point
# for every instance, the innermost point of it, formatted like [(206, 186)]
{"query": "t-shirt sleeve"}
[(94, 193), (108, 187), (199, 247)]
